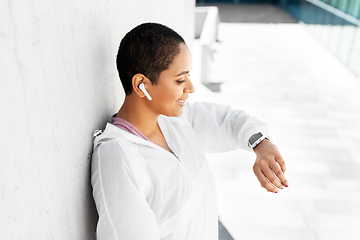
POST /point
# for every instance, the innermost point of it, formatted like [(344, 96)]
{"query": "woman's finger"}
[(271, 177), (278, 173), (264, 181), (279, 159)]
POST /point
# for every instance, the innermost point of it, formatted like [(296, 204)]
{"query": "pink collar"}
[(126, 126)]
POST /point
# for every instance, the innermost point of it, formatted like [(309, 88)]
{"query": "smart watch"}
[(256, 139)]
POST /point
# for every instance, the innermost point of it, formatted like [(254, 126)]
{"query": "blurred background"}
[(292, 64)]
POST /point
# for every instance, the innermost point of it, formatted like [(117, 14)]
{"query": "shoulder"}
[(109, 153), (117, 149), (122, 158)]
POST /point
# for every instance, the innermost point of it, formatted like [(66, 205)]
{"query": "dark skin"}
[(150, 130), (168, 98), (270, 167)]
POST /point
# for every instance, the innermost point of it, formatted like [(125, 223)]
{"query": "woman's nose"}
[(189, 88)]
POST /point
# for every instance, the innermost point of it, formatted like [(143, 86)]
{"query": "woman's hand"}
[(269, 167)]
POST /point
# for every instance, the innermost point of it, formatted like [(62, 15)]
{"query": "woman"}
[(150, 177)]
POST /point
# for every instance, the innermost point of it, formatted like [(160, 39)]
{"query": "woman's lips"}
[(181, 102)]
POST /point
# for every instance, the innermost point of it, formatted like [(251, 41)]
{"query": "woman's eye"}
[(180, 81)]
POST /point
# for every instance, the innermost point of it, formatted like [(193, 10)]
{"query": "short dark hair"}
[(148, 49)]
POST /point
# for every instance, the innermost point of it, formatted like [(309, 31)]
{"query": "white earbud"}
[(142, 88)]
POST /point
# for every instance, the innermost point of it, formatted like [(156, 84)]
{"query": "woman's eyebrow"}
[(182, 73)]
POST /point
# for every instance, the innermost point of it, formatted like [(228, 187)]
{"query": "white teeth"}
[(180, 101)]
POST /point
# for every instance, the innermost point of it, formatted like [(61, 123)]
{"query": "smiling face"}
[(173, 86)]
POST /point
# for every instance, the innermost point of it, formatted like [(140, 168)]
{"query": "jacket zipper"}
[(184, 167), (179, 160)]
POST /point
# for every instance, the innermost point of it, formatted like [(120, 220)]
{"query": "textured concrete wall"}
[(58, 84)]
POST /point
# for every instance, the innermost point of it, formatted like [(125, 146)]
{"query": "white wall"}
[(58, 84)]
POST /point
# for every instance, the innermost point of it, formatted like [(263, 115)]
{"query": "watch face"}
[(255, 137)]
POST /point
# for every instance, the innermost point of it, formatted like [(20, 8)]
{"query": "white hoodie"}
[(142, 191)]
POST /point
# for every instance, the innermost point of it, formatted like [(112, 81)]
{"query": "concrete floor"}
[(253, 13), (311, 102)]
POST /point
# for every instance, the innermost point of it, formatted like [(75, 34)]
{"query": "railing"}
[(334, 23), (351, 7)]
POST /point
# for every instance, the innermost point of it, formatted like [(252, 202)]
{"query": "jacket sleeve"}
[(220, 128), (123, 210)]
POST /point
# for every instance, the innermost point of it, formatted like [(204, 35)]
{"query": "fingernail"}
[(276, 192), (286, 186)]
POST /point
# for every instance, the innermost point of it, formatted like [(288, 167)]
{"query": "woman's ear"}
[(137, 79)]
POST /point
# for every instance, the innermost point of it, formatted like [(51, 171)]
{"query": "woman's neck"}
[(135, 112), (144, 119)]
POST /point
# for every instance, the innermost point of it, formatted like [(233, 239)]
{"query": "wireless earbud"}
[(142, 88)]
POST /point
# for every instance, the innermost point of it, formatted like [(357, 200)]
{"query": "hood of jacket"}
[(112, 132)]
